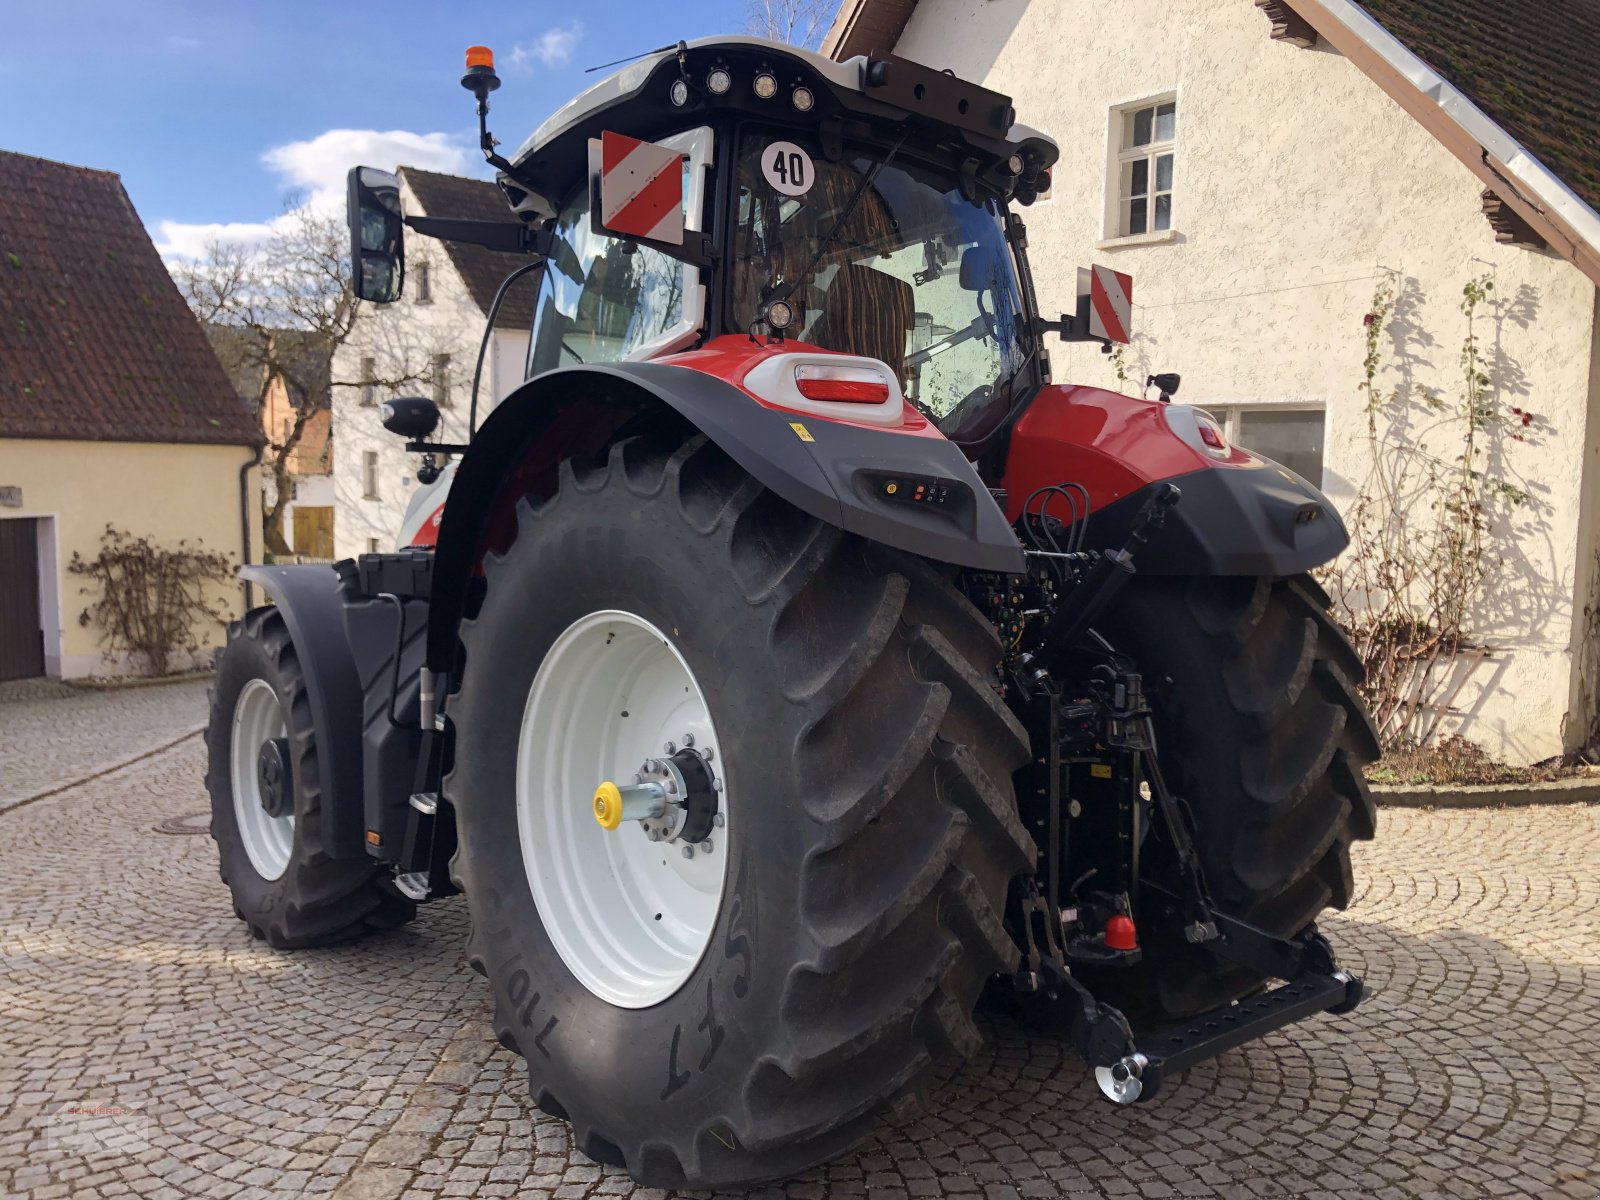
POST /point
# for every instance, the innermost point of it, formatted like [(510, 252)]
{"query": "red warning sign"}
[(641, 188), (1110, 304)]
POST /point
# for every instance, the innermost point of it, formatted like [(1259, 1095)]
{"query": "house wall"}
[(166, 492), (1300, 188), (403, 338)]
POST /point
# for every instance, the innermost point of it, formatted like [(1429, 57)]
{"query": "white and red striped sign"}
[(1110, 304), (641, 188)]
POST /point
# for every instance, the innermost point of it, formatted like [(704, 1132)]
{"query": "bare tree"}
[(278, 314), (798, 22)]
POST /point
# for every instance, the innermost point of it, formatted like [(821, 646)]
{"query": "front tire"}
[(871, 831), (285, 886)]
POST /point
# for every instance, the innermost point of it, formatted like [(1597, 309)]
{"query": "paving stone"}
[(369, 1071)]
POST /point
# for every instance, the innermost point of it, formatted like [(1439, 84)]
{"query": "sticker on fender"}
[(787, 168), (801, 432)]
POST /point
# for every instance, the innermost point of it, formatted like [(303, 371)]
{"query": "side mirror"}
[(411, 417), (977, 268), (377, 246)]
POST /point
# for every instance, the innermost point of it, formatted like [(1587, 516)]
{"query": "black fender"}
[(1259, 520), (308, 597), (865, 481)]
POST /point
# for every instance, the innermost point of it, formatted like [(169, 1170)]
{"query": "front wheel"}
[(269, 803), (733, 792)]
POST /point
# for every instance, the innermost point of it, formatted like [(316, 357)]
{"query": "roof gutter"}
[(1561, 217)]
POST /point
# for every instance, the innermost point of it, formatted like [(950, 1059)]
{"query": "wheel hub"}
[(274, 778), (673, 799)]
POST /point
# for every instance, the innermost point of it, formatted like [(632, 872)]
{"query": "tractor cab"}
[(739, 188)]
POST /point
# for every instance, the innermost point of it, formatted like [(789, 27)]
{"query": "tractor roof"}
[(635, 100)]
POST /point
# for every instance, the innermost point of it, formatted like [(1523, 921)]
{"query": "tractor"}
[(789, 663)]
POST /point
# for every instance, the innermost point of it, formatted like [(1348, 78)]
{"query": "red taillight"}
[(1211, 437), (846, 385)]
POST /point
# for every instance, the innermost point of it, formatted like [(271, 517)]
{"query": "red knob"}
[(1121, 934)]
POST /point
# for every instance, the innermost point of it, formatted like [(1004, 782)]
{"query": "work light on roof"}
[(802, 99), (679, 93), (719, 81), (766, 85)]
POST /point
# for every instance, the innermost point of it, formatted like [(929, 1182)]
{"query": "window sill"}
[(1161, 238)]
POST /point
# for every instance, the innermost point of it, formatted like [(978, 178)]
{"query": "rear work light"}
[(846, 385)]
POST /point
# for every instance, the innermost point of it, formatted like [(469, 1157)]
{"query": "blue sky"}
[(212, 112)]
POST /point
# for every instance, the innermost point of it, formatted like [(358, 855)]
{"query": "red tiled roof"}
[(482, 269), (96, 344)]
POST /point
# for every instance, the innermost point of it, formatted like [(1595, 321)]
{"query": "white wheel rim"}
[(630, 917), (257, 719)]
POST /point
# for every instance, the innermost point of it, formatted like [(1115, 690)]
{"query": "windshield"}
[(600, 300), (916, 275)]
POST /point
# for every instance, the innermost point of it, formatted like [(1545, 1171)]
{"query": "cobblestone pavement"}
[(148, 1047), (52, 734)]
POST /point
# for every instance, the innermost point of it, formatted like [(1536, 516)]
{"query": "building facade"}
[(113, 412), (424, 344), (1269, 174)]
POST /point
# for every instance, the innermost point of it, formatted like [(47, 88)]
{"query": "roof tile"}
[(96, 343)]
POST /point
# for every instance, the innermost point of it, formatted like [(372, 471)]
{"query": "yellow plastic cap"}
[(608, 805)]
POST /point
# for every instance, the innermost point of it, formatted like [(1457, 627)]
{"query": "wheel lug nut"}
[(716, 785), (717, 820), (705, 846), (688, 851), (688, 739), (672, 747), (709, 753)]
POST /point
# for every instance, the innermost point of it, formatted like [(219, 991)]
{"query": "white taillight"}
[(843, 386)]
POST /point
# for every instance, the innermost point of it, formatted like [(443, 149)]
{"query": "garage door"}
[(21, 637)]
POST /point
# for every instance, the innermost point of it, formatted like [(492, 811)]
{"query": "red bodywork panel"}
[(1112, 444)]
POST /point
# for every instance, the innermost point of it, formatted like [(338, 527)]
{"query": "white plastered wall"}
[(1300, 187)]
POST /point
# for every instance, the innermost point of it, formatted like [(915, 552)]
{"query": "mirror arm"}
[(436, 448), (512, 237)]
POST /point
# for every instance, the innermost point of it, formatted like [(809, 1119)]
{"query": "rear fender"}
[(308, 597), (1239, 515), (839, 473)]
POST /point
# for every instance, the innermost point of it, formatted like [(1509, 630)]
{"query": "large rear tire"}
[(871, 830), (1261, 730), (285, 886)]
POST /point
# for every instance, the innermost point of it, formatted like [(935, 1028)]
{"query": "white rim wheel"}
[(630, 917), (257, 719)]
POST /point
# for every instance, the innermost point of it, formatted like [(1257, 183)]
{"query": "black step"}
[(1181, 1046)]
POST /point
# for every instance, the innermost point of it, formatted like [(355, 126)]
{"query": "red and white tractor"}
[(789, 658)]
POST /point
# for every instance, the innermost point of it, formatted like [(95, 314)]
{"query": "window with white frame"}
[(1291, 436), (441, 380), (1146, 138), (369, 474), (424, 281)]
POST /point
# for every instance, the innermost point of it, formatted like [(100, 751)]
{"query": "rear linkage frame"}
[(1104, 724)]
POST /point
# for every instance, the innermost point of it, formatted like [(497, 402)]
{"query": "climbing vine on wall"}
[(1431, 496), (150, 601)]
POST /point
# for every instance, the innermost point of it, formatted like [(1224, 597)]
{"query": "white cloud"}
[(553, 47), (316, 170)]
